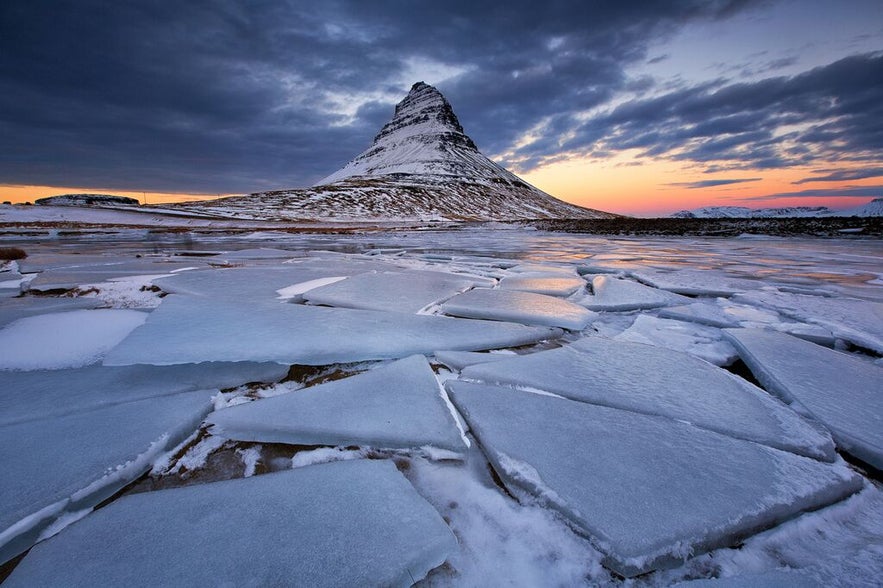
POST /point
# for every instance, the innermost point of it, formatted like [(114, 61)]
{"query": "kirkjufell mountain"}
[(421, 166)]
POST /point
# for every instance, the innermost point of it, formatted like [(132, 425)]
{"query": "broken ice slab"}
[(648, 490), (658, 381), (65, 464), (703, 342), (843, 392), (243, 284), (858, 321), (617, 294), (457, 360), (195, 330), (773, 579), (257, 253), (695, 282), (544, 269), (64, 339), (353, 523), (541, 284), (40, 394), (409, 291), (68, 278), (398, 406), (520, 307), (16, 308)]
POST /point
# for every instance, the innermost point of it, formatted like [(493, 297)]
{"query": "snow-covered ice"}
[(63, 464), (41, 394), (698, 340), (457, 360), (543, 284), (397, 406), (196, 330), (354, 523), (520, 307), (843, 392), (64, 339), (649, 491), (17, 308), (858, 321), (652, 380), (410, 291), (617, 294), (697, 282)]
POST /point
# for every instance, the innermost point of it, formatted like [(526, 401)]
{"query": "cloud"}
[(852, 192), (230, 96), (829, 113), (712, 183), (842, 175)]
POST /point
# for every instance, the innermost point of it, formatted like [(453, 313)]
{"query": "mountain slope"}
[(421, 166), (872, 208)]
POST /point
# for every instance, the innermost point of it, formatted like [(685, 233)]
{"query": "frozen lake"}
[(514, 406)]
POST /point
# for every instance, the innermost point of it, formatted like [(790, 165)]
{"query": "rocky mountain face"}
[(87, 200), (421, 166), (872, 208)]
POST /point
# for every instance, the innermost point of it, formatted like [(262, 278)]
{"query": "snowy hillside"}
[(872, 208), (87, 200), (421, 166)]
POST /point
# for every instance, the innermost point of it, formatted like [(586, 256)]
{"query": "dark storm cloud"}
[(842, 175), (853, 192), (230, 96), (830, 113), (712, 183)]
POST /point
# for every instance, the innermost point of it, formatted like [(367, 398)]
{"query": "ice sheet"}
[(650, 491), (616, 294), (34, 395), (697, 282), (242, 284), (72, 462), (857, 321), (398, 406), (775, 579), (354, 523), (65, 278), (704, 342), (64, 339), (543, 284), (410, 291), (196, 330), (457, 360), (843, 392), (521, 307), (652, 380), (16, 308)]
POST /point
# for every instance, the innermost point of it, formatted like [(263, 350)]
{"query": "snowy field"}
[(480, 406)]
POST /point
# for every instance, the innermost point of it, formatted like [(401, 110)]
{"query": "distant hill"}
[(872, 208), (421, 166), (87, 200)]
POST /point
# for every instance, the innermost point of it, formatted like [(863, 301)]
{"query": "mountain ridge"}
[(872, 208)]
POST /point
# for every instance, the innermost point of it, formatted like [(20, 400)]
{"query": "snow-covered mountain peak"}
[(424, 137)]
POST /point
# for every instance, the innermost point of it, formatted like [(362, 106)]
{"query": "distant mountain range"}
[(872, 208), (421, 166)]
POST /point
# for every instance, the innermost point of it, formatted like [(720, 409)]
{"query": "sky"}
[(635, 107)]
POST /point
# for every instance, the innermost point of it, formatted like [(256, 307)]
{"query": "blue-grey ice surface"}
[(650, 491), (857, 321), (824, 290), (843, 392), (32, 395), (67, 463), (617, 294), (195, 330), (410, 291), (356, 523), (397, 406), (657, 381), (520, 307), (540, 283)]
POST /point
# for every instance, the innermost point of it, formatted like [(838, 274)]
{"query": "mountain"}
[(872, 208), (421, 166), (87, 200)]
